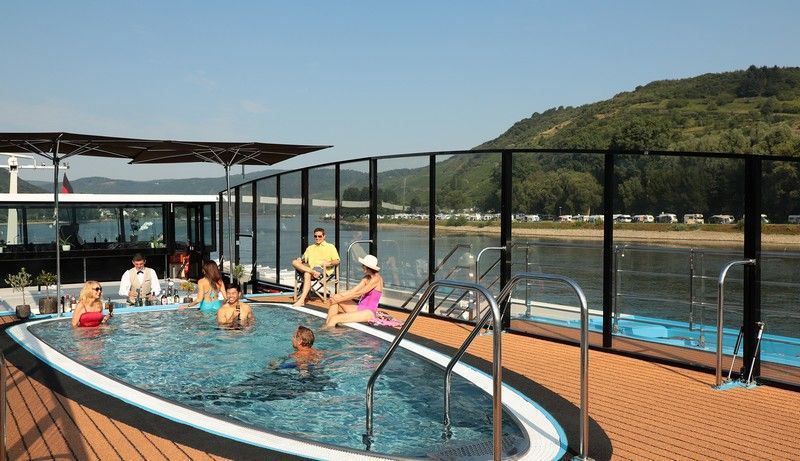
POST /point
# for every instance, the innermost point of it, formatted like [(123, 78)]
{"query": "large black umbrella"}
[(225, 154), (58, 147)]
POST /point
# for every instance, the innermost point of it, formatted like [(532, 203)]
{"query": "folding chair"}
[(323, 287)]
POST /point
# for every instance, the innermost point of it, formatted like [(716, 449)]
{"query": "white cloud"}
[(252, 106), (202, 80)]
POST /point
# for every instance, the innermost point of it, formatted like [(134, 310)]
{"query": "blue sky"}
[(368, 77)]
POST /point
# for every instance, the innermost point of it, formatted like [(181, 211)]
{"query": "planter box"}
[(48, 305)]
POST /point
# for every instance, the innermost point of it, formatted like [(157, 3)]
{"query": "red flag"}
[(66, 187)]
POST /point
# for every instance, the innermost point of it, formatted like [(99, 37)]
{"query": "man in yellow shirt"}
[(319, 256)]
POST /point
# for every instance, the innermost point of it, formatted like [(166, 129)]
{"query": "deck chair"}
[(323, 287)]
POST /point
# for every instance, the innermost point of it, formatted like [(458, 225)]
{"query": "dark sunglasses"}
[(319, 236), (97, 288)]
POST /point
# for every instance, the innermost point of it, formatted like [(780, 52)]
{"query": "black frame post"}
[(278, 229), (254, 233), (752, 274), (305, 201), (237, 228), (221, 230), (506, 195), (431, 224), (608, 247), (373, 206), (337, 210)]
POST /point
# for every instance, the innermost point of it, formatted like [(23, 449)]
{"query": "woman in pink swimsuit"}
[(343, 307)]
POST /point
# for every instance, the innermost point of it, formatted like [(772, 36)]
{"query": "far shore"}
[(674, 238)]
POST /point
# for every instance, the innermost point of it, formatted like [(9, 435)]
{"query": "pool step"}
[(478, 450)]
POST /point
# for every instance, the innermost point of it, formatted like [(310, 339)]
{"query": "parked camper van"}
[(693, 218), (622, 218), (721, 219), (668, 218), (794, 219), (643, 218)]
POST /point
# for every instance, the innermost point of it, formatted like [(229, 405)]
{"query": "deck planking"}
[(648, 410)]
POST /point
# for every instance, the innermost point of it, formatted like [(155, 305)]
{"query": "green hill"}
[(750, 111), (754, 110)]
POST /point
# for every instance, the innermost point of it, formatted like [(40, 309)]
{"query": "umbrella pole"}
[(58, 233), (230, 233)]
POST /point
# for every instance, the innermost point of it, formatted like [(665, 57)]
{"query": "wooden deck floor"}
[(646, 410)]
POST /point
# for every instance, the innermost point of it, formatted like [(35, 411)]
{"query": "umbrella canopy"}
[(58, 146), (225, 154)]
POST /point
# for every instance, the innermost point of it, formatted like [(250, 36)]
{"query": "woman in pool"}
[(208, 289), (89, 311), (344, 309)]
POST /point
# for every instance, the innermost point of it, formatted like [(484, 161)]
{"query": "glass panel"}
[(208, 226), (143, 225), (291, 200), (467, 221), (267, 236), (354, 184), (557, 228), (677, 223), (403, 196), (245, 225), (780, 270), (181, 226), (322, 209), (11, 231), (97, 226), (227, 229)]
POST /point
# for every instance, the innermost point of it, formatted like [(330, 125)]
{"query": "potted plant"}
[(155, 242), (47, 304), (64, 242), (18, 282), (238, 273)]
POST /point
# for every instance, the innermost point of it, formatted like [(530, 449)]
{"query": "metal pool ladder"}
[(504, 298), (497, 378), (720, 303)]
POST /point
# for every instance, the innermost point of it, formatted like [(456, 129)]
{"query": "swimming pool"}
[(222, 383), (774, 348)]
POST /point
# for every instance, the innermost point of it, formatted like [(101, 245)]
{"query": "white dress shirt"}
[(125, 282)]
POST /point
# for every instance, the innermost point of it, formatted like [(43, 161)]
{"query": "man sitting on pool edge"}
[(234, 313), (319, 256)]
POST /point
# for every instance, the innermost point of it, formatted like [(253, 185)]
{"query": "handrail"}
[(2, 406), (720, 302), (478, 259), (497, 369), (584, 344), (435, 270), (347, 268)]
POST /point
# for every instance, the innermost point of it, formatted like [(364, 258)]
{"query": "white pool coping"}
[(547, 438)]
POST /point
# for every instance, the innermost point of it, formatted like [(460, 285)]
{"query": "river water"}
[(650, 280)]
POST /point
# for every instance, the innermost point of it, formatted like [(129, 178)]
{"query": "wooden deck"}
[(640, 410)]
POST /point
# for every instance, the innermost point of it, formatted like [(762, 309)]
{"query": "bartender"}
[(139, 278)]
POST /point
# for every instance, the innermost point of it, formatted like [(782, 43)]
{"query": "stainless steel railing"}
[(720, 303), (497, 369), (504, 298), (347, 268)]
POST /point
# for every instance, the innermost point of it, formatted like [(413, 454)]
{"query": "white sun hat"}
[(370, 261)]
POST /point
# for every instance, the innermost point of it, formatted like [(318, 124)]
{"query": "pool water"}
[(184, 357)]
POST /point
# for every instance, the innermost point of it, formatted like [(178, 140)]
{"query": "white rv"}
[(643, 218), (794, 219), (693, 218), (721, 219), (668, 218)]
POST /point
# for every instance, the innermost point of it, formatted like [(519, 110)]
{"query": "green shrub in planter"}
[(47, 304), (19, 282)]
